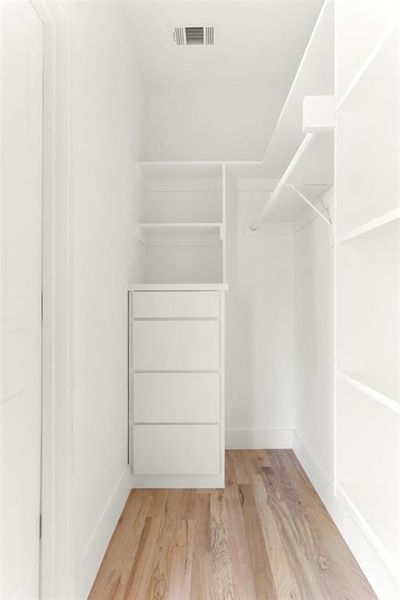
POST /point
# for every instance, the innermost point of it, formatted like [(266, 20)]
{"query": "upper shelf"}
[(180, 176), (180, 234), (381, 384), (315, 76), (370, 226), (179, 170), (310, 171), (172, 287)]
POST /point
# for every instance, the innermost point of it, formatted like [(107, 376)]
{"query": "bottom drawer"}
[(176, 449)]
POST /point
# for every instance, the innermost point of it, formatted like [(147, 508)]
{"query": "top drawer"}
[(169, 305)]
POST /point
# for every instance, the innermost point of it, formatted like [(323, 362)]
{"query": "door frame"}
[(56, 565)]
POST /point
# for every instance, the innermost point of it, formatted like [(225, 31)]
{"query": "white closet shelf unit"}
[(182, 226), (367, 303), (176, 328)]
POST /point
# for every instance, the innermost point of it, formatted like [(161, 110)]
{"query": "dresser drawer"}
[(176, 398), (176, 449), (175, 305), (176, 345)]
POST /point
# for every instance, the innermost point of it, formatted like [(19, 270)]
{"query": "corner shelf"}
[(180, 234)]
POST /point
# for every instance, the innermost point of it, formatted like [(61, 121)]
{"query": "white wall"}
[(260, 399), (210, 123), (314, 340), (107, 108)]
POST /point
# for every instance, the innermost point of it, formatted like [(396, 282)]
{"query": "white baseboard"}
[(177, 481), (384, 581), (253, 439), (319, 477), (101, 535)]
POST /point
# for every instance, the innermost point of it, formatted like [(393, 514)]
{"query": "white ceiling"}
[(257, 42), (221, 102)]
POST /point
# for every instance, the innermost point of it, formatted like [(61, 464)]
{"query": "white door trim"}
[(56, 577)]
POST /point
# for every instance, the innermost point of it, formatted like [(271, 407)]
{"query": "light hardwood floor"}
[(266, 536)]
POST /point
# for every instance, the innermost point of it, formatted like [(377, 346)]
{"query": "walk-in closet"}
[(215, 307)]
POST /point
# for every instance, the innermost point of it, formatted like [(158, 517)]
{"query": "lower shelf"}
[(368, 461), (381, 384)]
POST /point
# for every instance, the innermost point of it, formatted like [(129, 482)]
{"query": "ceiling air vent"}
[(193, 36)]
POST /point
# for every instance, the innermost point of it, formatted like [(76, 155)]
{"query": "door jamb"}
[(56, 564)]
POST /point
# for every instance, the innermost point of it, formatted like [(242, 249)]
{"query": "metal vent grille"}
[(209, 36), (193, 36), (179, 36)]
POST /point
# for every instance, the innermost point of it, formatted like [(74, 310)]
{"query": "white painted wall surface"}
[(260, 398), (210, 122), (107, 103), (313, 300)]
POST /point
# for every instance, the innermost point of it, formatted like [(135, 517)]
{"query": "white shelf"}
[(370, 226), (365, 502), (171, 287), (364, 31), (311, 169), (179, 170), (381, 384), (367, 182), (368, 309), (180, 234), (315, 76), (368, 460)]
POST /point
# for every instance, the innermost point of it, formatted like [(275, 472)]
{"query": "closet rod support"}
[(309, 203)]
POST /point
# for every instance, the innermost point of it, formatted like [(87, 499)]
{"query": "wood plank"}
[(285, 582), (238, 544), (140, 575), (201, 566), (230, 475), (181, 562), (260, 565), (163, 553), (111, 586), (221, 572), (286, 511), (239, 467), (122, 548)]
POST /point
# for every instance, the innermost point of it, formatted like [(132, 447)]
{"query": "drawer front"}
[(176, 449), (176, 398), (175, 305), (176, 345)]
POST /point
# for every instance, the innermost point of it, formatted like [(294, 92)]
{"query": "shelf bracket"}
[(309, 203)]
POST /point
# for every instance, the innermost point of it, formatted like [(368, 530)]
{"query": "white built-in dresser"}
[(177, 384)]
